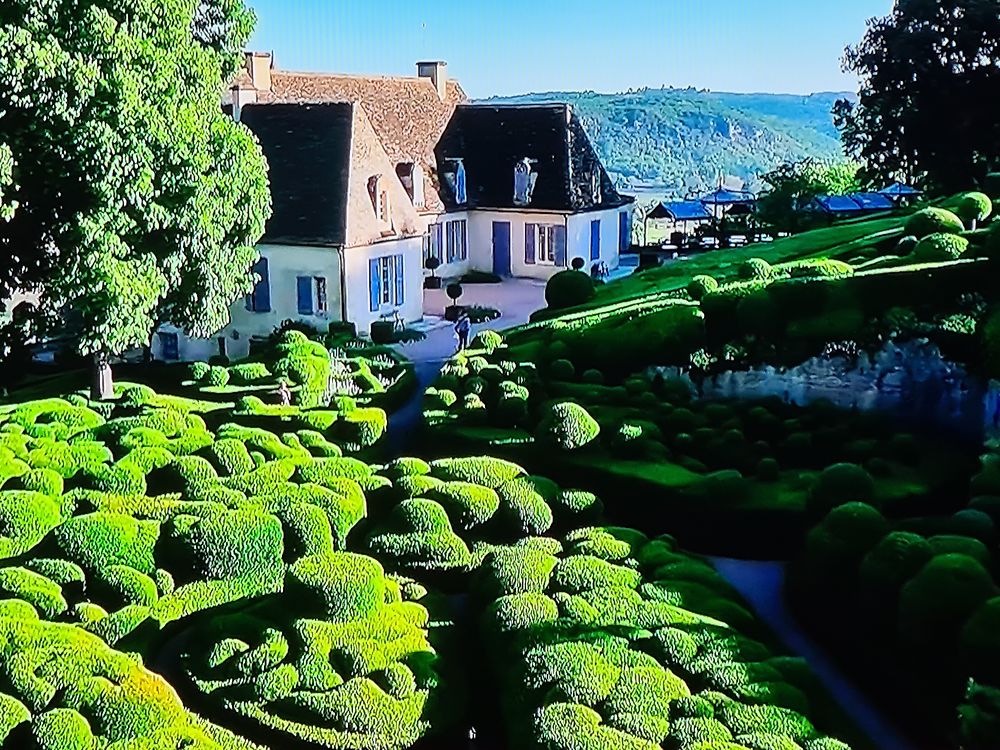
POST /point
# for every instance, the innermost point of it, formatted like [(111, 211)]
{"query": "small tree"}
[(577, 264), (454, 292), (432, 264), (974, 208)]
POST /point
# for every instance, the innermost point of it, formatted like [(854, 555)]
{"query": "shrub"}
[(218, 377), (562, 369), (593, 377), (974, 207), (817, 268), (700, 286), (838, 484), (898, 557), (523, 503), (756, 269), (938, 248), (933, 221), (469, 505), (62, 729), (249, 373), (482, 470), (935, 603), (523, 611), (586, 572), (906, 245), (199, 371), (343, 586), (488, 340), (568, 289), (568, 426)]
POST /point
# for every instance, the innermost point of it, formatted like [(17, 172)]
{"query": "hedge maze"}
[(157, 570)]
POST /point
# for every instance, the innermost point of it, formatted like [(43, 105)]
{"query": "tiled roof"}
[(491, 140), (308, 151), (406, 112)]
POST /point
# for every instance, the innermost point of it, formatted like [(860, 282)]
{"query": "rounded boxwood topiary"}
[(936, 602), (700, 286), (898, 557), (933, 221), (568, 426), (940, 247), (593, 377), (839, 484), (756, 268), (980, 647), (974, 207), (568, 289), (218, 377), (562, 369), (906, 245)]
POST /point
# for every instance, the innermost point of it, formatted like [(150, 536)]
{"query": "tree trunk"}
[(102, 387)]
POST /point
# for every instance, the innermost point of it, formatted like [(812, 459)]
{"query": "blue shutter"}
[(595, 239), (373, 285), (559, 241), (260, 299), (304, 285), (464, 226), (400, 280), (529, 243), (624, 231)]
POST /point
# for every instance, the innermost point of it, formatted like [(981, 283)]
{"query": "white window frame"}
[(386, 280), (321, 298), (456, 241), (545, 238)]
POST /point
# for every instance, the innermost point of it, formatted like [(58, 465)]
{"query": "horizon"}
[(796, 50)]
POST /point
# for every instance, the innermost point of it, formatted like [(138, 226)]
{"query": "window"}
[(321, 301), (624, 231), (524, 182), (595, 185), (379, 197), (457, 240), (595, 239), (259, 300), (386, 282), (433, 241), (311, 295), (545, 244), (412, 177), (169, 346)]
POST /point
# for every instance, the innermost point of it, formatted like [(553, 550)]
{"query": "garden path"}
[(762, 585)]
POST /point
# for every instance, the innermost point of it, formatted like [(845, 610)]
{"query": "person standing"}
[(463, 327)]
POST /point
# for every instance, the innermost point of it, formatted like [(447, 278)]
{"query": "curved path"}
[(762, 584)]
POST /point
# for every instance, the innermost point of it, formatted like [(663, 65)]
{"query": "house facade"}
[(526, 193), (356, 204)]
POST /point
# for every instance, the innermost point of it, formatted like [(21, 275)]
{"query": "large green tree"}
[(128, 197), (930, 80), (792, 187)]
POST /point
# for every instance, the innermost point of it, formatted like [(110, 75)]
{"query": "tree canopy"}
[(930, 79), (129, 197), (794, 186)]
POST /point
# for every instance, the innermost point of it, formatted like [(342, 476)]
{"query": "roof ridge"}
[(369, 76)]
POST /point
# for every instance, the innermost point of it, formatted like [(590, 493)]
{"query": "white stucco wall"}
[(285, 264), (357, 267), (577, 239)]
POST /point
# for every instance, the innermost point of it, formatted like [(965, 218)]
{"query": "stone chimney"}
[(240, 97), (259, 66), (437, 72)]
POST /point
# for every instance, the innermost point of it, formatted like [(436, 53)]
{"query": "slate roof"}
[(491, 139), (308, 151), (681, 211), (406, 112)]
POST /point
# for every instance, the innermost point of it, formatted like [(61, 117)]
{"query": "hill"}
[(672, 141)]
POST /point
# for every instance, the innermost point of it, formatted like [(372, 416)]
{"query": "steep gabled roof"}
[(406, 112), (491, 140), (308, 151)]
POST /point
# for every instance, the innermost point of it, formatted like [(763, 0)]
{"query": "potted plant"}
[(454, 291), (432, 263)]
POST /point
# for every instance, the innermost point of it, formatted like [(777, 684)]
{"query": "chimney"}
[(259, 66), (436, 71), (240, 98)]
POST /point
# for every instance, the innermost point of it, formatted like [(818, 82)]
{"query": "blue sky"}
[(518, 46)]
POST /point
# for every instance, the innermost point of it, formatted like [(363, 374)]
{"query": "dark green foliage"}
[(700, 286), (562, 369), (930, 221), (838, 484), (567, 426), (756, 269), (934, 604), (342, 585), (898, 557), (568, 289), (974, 207), (218, 377), (938, 248)]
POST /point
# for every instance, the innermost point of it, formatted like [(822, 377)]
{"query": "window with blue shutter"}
[(400, 287), (624, 231), (373, 285), (304, 288), (259, 300), (559, 243), (595, 239), (530, 230)]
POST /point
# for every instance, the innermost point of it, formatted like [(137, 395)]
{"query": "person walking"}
[(463, 327)]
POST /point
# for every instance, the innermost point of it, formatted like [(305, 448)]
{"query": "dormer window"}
[(595, 186), (412, 178), (524, 182)]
